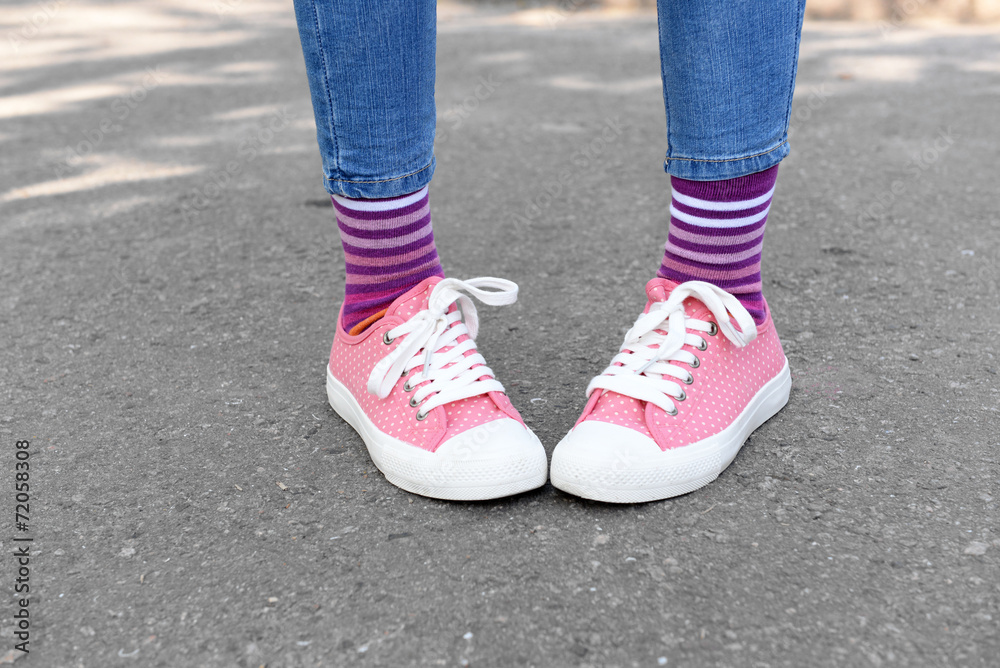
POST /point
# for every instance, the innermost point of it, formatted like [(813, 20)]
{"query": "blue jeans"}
[(728, 69)]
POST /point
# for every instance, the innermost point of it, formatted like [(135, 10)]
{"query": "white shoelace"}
[(431, 341), (646, 369)]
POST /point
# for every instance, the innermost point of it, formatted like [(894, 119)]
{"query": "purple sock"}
[(717, 234), (389, 248)]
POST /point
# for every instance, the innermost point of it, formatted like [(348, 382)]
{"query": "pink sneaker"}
[(676, 404), (435, 419)]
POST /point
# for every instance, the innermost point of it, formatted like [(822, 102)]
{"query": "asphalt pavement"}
[(170, 275)]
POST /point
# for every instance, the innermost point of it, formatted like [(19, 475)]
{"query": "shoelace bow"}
[(646, 369), (431, 341)]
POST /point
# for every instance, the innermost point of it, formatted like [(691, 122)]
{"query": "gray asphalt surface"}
[(164, 339)]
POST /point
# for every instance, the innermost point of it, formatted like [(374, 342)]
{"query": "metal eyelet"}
[(421, 416), (673, 412), (713, 329), (695, 364), (689, 379), (386, 340), (682, 397), (703, 346), (406, 387), (413, 402)]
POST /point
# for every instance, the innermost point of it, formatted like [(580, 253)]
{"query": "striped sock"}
[(717, 234), (389, 248)]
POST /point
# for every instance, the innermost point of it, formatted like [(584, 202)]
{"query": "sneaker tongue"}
[(659, 289), (415, 300), (474, 408)]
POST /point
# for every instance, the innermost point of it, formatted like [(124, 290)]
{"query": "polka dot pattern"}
[(724, 383), (622, 411), (352, 359)]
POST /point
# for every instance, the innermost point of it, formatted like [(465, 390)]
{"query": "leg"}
[(728, 74), (404, 370), (728, 69), (371, 73), (702, 367)]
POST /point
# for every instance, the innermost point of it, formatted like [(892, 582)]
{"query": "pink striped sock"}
[(717, 234), (389, 248)]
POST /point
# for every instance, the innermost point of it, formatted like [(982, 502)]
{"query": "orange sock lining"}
[(363, 325)]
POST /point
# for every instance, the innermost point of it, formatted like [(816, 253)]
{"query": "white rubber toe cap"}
[(492, 460), (607, 462)]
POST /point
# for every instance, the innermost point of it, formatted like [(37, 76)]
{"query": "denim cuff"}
[(391, 187), (703, 169)]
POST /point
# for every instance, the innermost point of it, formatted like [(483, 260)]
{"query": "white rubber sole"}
[(606, 462), (496, 459)]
